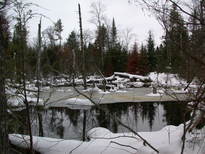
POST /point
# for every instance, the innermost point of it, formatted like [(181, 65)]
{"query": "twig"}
[(125, 126), (124, 145)]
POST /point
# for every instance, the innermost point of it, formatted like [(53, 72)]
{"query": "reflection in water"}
[(68, 123), (175, 114), (148, 112)]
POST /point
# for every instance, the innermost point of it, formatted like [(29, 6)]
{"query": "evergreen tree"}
[(133, 61), (73, 45), (113, 34), (161, 58), (58, 28), (101, 44), (151, 53), (197, 39), (19, 46), (143, 62), (176, 41)]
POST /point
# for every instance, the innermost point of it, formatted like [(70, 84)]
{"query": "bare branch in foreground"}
[(122, 124)]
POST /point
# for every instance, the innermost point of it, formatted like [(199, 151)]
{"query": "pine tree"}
[(161, 58), (151, 53), (73, 45), (133, 61), (113, 34), (101, 44), (58, 28), (143, 61), (197, 39), (176, 41)]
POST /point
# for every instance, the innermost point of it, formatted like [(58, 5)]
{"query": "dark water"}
[(68, 123)]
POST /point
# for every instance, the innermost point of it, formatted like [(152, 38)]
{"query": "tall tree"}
[(23, 15), (82, 49), (151, 53), (4, 39), (133, 60), (98, 13), (73, 45), (101, 44), (143, 61), (113, 34), (176, 40), (58, 28), (98, 18)]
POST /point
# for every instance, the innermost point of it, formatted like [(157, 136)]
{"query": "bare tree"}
[(23, 14), (98, 13), (99, 19), (127, 37), (82, 48), (3, 4), (193, 10)]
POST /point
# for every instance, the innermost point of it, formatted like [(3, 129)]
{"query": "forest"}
[(105, 56)]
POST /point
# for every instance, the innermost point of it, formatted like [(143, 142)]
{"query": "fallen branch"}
[(113, 117)]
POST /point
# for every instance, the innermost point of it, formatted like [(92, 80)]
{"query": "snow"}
[(131, 76), (78, 101), (166, 79), (135, 84), (104, 92), (95, 89), (18, 100), (154, 95), (121, 91), (98, 132), (182, 91), (166, 141)]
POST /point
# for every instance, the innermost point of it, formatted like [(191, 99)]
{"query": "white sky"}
[(126, 16)]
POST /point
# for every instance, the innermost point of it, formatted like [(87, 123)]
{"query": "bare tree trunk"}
[(4, 143), (38, 72), (41, 133), (82, 48), (84, 125), (27, 105)]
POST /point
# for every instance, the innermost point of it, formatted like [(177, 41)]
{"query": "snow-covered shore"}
[(166, 141), (123, 87)]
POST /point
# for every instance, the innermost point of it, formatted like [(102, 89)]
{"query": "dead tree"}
[(82, 48)]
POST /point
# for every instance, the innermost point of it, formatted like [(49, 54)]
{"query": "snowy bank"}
[(167, 141), (167, 79)]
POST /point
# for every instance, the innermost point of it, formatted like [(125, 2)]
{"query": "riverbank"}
[(166, 141)]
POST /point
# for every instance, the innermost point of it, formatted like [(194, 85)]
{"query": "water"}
[(68, 123)]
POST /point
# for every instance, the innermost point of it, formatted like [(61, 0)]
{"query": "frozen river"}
[(63, 97)]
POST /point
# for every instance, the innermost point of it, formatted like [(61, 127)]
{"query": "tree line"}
[(105, 52), (181, 50)]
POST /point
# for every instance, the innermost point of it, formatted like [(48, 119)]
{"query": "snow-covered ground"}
[(119, 84), (166, 141), (166, 79)]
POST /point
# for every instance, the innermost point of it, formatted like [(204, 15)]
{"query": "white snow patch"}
[(121, 91), (166, 141), (104, 92), (166, 79), (154, 95), (92, 90), (18, 100), (78, 101)]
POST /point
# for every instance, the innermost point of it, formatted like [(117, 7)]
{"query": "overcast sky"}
[(126, 16)]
